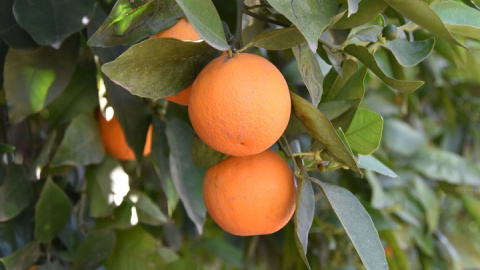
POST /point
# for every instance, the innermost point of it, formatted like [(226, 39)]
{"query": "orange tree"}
[(383, 139)]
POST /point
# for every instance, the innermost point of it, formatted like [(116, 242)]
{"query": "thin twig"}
[(261, 18)]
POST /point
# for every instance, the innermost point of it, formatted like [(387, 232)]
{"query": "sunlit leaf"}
[(365, 132), (310, 17), (310, 71), (278, 39), (460, 19), (179, 62), (357, 224), (206, 21), (15, 193), (410, 53), (94, 250), (132, 21), (52, 211)]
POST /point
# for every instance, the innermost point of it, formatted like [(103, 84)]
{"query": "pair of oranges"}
[(240, 105)]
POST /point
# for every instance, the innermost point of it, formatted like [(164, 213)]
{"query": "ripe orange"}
[(113, 139), (182, 30), (240, 105), (250, 195)]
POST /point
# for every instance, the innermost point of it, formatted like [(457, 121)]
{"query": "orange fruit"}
[(114, 141), (250, 195), (240, 105), (182, 30), (33, 267)]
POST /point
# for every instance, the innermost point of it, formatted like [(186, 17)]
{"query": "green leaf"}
[(205, 20), (365, 132), (124, 217), (472, 204), (101, 179), (371, 163), (94, 250), (401, 138), (335, 108), (430, 203), (52, 211), (178, 61), (367, 11), (187, 179), (278, 39), (334, 82), (81, 144), (160, 154), (310, 17), (5, 148), (357, 223), (205, 156), (420, 13), (379, 199), (148, 211), (352, 7), (50, 22), (369, 33), (460, 19), (22, 258), (446, 166), (310, 70), (135, 250), (16, 233), (321, 129), (33, 79), (364, 56), (410, 53), (10, 32), (304, 212), (396, 256), (15, 193), (132, 21)]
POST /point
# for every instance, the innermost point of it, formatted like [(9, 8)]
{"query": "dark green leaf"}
[(321, 129), (53, 265), (430, 203), (365, 132), (79, 97), (50, 22), (420, 13), (304, 212), (410, 53), (15, 193), (5, 148), (16, 233), (357, 224), (310, 70), (371, 163), (401, 138), (335, 108), (94, 250), (51, 212), (364, 56), (135, 250), (22, 258), (160, 153), (446, 166), (148, 212), (205, 156), (178, 62), (334, 82), (33, 79), (187, 178), (460, 19), (123, 217), (10, 32), (278, 39), (367, 10), (132, 21), (101, 196), (81, 144), (206, 21), (310, 17)]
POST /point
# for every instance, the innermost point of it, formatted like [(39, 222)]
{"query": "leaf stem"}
[(261, 18)]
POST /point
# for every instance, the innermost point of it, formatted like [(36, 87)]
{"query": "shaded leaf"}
[(334, 82), (15, 193), (367, 10), (460, 19), (94, 250), (5, 148), (379, 199), (132, 21), (321, 129), (396, 256), (205, 156), (187, 178), (472, 204), (363, 55), (357, 223), (304, 212), (124, 217), (22, 258), (365, 132), (310, 70), (335, 108), (420, 13), (430, 203), (42, 18), (402, 138), (205, 20), (81, 144), (33, 79), (52, 211), (369, 34), (371, 163), (16, 233), (278, 39), (10, 32), (148, 211), (310, 17), (410, 53), (178, 61)]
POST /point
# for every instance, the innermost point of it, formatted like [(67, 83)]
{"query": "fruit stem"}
[(230, 53)]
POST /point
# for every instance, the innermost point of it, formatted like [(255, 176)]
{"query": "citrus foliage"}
[(383, 139)]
